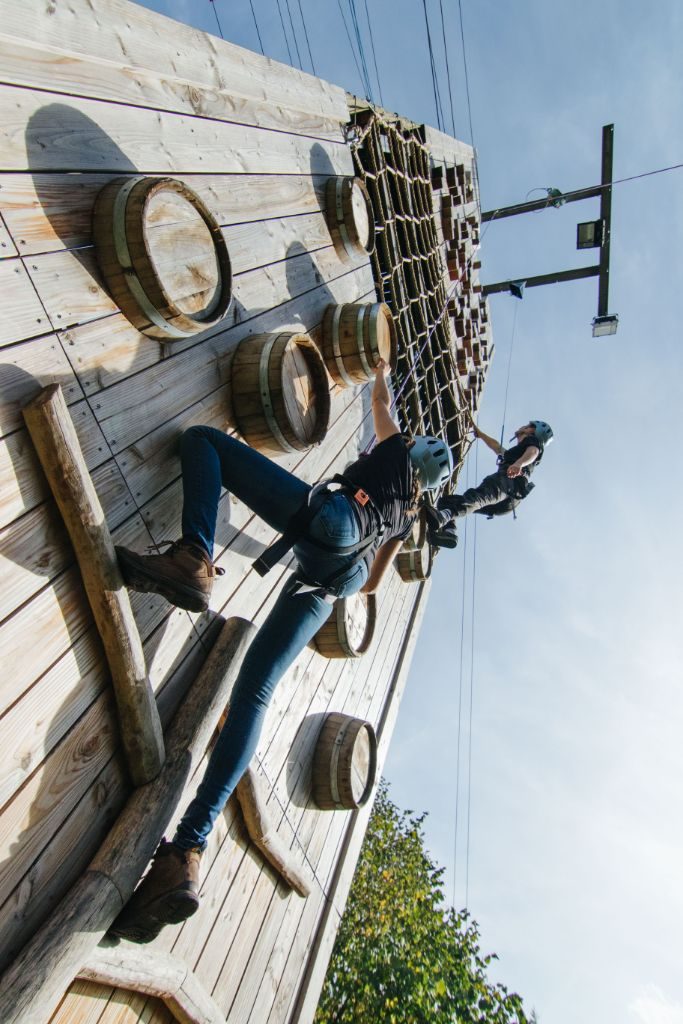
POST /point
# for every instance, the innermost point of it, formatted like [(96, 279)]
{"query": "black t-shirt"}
[(386, 475), (512, 454)]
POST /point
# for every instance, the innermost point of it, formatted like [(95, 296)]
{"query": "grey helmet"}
[(432, 461), (542, 431)]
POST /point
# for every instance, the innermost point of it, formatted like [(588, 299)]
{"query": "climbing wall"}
[(91, 90)]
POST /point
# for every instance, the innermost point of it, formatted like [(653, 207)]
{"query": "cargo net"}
[(411, 278)]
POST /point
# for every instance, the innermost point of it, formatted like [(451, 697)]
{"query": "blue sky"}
[(575, 825)]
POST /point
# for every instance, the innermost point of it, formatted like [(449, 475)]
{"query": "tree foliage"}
[(400, 957)]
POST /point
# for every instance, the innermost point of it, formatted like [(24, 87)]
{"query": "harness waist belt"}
[(298, 525)]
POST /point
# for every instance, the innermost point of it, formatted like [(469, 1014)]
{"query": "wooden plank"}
[(41, 131), (54, 790), (61, 71), (82, 1004), (22, 484), (21, 313), (70, 286), (25, 369), (31, 729), (33, 550), (53, 211), (7, 246), (114, 30)]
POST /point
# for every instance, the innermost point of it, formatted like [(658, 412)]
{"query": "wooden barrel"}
[(344, 762), (280, 392), (349, 216), (350, 628), (418, 535), (355, 336), (162, 255), (414, 564)]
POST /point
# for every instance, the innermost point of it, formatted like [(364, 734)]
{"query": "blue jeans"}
[(211, 460)]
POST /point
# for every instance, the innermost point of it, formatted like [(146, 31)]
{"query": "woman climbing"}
[(344, 532), (500, 492)]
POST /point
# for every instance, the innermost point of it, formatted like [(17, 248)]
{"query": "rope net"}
[(426, 237)]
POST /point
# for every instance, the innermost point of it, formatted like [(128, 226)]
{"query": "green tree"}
[(400, 957)]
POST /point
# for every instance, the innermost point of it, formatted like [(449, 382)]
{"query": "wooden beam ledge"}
[(155, 974), (56, 443), (253, 799), (33, 985)]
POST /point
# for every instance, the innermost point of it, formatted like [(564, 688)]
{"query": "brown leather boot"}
[(168, 894), (184, 574)]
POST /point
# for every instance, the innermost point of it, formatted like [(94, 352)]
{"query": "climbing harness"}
[(298, 529)]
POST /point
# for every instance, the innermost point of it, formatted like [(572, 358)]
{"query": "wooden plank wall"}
[(92, 89)]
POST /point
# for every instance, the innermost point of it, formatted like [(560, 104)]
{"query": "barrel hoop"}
[(264, 389), (360, 340), (124, 258), (336, 349)]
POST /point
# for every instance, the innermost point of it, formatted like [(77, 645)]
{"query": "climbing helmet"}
[(432, 460), (542, 430)]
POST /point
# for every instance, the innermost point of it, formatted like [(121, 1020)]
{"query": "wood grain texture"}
[(55, 438), (156, 974), (117, 31), (52, 211), (21, 312), (56, 953), (43, 131), (62, 71)]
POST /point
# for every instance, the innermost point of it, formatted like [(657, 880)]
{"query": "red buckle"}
[(361, 497)]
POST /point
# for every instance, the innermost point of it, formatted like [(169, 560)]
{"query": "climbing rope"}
[(507, 378)]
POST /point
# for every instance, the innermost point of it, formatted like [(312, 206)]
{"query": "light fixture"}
[(589, 234), (517, 289), (604, 325)]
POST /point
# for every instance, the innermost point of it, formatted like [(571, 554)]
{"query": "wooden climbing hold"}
[(344, 763), (355, 336), (415, 564), (280, 392), (162, 255), (350, 628), (349, 216)]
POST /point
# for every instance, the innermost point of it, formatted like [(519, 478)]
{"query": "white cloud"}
[(651, 1006)]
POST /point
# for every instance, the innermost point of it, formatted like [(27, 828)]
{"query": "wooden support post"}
[(252, 798), (56, 443), (33, 985), (156, 974)]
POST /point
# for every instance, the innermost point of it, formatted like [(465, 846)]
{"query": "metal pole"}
[(533, 282)]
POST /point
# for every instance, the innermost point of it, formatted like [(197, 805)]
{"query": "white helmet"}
[(432, 461)]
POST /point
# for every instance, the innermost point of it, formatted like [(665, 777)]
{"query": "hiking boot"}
[(184, 574), (168, 894)]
